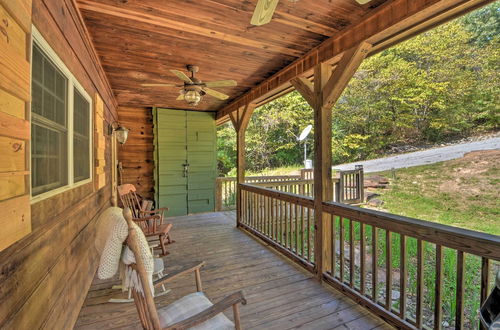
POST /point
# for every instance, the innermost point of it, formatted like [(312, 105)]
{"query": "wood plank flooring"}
[(280, 294)]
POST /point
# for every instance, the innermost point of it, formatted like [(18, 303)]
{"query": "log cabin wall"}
[(136, 156), (45, 276)]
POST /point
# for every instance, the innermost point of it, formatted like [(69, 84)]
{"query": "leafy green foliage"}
[(442, 84)]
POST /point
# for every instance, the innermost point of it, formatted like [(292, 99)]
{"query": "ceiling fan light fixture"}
[(192, 97)]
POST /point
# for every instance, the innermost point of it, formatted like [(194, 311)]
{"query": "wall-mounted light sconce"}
[(120, 131)]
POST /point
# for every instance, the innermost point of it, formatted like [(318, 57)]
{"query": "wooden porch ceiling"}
[(139, 41)]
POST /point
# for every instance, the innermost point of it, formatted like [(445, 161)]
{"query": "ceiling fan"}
[(265, 9), (194, 89)]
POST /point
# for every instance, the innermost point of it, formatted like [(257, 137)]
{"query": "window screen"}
[(81, 141), (49, 147)]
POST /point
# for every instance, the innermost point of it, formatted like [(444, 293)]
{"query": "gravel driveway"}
[(423, 157)]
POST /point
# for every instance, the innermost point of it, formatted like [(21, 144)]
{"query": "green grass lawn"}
[(462, 192)]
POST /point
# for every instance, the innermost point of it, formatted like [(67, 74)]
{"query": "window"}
[(81, 137), (60, 124)]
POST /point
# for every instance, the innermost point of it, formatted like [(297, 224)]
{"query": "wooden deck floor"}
[(280, 294)]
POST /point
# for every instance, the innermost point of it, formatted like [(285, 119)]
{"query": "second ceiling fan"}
[(264, 10)]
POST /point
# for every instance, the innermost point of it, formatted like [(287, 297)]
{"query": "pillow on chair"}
[(110, 258)]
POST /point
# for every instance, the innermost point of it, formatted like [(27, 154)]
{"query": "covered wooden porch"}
[(104, 52), (280, 294)]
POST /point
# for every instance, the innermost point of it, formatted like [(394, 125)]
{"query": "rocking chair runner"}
[(150, 221), (194, 310)]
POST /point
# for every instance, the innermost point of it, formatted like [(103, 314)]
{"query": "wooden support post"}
[(240, 121), (321, 96)]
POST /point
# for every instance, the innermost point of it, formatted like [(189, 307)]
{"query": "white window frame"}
[(72, 84)]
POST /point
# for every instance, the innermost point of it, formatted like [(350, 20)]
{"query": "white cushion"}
[(190, 305), (159, 266), (110, 258)]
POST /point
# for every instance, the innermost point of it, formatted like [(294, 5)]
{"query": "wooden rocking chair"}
[(150, 221), (192, 310)]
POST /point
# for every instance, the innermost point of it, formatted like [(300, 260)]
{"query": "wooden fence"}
[(347, 188), (398, 267)]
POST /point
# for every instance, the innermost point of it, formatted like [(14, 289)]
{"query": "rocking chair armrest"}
[(150, 217), (210, 312), (173, 275), (160, 210)]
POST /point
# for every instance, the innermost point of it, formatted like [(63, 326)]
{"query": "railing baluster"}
[(302, 242), (287, 236), (309, 234), (271, 217), (485, 280), (438, 294), (341, 246), (290, 226), (334, 250), (388, 270), (280, 218), (374, 263), (248, 208), (420, 283), (296, 235), (403, 274), (362, 257), (459, 312), (351, 253), (271, 223)]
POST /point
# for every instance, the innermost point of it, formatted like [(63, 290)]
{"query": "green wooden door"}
[(201, 159), (185, 163)]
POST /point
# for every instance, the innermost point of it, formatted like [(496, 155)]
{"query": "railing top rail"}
[(232, 178), (347, 171), (284, 196), (281, 183), (469, 241), (287, 183)]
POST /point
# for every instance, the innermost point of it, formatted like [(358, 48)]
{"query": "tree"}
[(442, 84)]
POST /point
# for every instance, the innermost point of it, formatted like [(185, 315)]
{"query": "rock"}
[(445, 324), (376, 181), (375, 202), (370, 195), (395, 295)]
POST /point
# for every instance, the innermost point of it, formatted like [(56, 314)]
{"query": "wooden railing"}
[(398, 267), (347, 188), (301, 187), (351, 186), (284, 220), (225, 188)]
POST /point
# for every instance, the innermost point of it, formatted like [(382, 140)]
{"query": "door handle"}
[(186, 169)]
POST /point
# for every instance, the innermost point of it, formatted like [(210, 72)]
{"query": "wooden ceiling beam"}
[(343, 72), (305, 88), (384, 26), (115, 11)]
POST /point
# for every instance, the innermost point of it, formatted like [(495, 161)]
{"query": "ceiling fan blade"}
[(221, 83), (263, 12), (214, 93), (159, 85), (180, 97), (182, 76)]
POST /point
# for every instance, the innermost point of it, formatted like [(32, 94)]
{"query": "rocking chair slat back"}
[(128, 197)]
